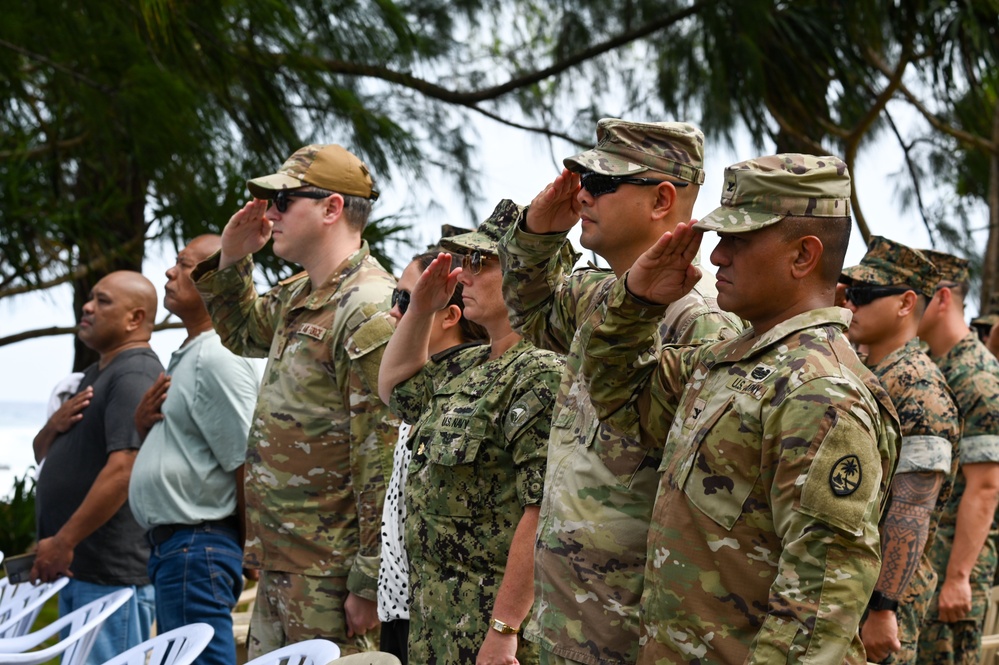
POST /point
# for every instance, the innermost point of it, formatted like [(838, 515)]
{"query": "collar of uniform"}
[(907, 349), (318, 298), (746, 344)]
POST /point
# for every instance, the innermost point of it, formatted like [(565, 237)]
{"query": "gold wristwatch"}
[(501, 627)]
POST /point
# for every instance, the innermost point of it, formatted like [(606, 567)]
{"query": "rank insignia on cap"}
[(844, 479)]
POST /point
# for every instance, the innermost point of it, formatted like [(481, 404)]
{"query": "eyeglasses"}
[(598, 184), (283, 198), (401, 299), (473, 262), (865, 295)]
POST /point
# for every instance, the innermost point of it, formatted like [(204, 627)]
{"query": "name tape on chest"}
[(312, 330)]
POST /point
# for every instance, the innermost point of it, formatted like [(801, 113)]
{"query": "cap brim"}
[(736, 220), (266, 186), (602, 162), (469, 242), (865, 274), (988, 320)]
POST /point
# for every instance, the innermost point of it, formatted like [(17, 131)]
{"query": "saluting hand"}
[(556, 209), (246, 233), (150, 408), (70, 412), (435, 287), (665, 272)]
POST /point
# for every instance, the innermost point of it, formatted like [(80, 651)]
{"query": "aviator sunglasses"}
[(283, 198), (598, 184), (401, 299), (473, 262), (865, 295)]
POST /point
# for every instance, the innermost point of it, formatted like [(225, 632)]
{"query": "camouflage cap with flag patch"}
[(890, 263), (485, 238), (627, 148), (331, 167), (762, 191), (952, 268)]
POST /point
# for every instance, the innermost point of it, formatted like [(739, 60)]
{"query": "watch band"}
[(502, 627), (881, 602)]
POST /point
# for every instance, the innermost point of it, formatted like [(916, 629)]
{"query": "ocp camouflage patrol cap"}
[(330, 167), (629, 148), (762, 191), (486, 236), (952, 268), (991, 315), (889, 263)]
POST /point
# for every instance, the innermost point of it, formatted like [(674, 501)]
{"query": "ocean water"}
[(19, 423)]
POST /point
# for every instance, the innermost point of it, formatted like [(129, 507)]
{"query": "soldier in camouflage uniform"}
[(764, 543), (987, 325), (887, 294), (601, 482), (964, 550), (481, 418), (320, 443)]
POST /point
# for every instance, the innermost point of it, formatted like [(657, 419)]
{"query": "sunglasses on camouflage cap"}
[(283, 198), (598, 184), (865, 295)]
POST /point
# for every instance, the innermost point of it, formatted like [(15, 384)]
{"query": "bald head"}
[(204, 246), (120, 312)]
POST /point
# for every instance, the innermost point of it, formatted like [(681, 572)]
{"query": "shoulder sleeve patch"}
[(841, 485), (372, 334)]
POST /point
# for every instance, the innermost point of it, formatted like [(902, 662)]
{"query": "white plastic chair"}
[(368, 658), (21, 603), (82, 624), (180, 646), (309, 652)]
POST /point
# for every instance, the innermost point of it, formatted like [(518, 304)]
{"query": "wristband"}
[(881, 602)]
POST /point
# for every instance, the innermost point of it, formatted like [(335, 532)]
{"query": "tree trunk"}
[(989, 267), (124, 230)]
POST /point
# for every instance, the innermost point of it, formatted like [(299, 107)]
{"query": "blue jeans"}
[(128, 626), (198, 575)]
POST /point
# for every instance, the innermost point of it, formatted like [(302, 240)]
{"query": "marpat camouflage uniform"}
[(931, 432), (764, 544), (973, 374), (320, 444), (601, 482), (480, 437)]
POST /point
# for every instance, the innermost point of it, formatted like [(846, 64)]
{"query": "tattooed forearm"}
[(905, 529)]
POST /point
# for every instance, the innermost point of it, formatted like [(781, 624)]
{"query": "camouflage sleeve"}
[(542, 294), (929, 426), (824, 487), (622, 371), (527, 424), (980, 438), (373, 432), (411, 397), (244, 321)]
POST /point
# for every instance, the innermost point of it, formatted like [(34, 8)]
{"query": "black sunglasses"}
[(473, 262), (598, 184), (865, 295), (401, 299), (283, 198)]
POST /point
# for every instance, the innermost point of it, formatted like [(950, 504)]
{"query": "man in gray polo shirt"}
[(185, 485)]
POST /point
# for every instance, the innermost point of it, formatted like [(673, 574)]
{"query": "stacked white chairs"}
[(309, 652), (82, 625), (21, 603), (180, 646)]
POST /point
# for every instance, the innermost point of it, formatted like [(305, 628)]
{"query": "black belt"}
[(162, 533)]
